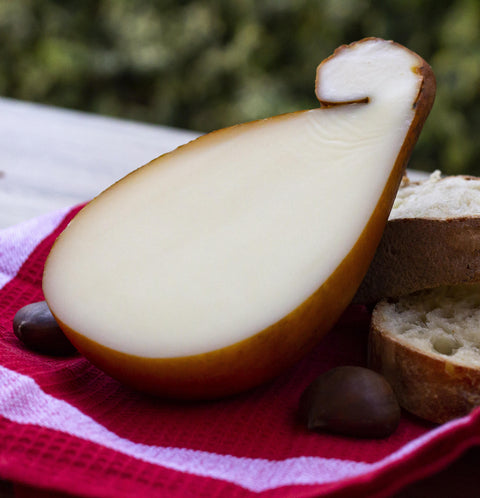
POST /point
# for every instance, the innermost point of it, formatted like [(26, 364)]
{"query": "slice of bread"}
[(432, 239), (427, 345)]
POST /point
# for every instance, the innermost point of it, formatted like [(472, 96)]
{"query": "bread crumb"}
[(437, 197), (444, 321)]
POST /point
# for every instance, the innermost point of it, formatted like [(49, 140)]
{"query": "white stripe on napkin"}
[(17, 242), (22, 401)]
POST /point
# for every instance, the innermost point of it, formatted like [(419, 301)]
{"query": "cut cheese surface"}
[(210, 244)]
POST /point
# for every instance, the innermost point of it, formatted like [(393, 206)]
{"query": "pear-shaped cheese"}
[(216, 266)]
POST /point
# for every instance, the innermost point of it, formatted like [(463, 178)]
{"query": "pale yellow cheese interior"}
[(210, 244)]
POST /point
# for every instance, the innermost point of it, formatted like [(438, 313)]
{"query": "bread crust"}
[(429, 385), (420, 253)]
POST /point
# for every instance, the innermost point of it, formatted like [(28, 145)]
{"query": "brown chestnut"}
[(352, 401), (37, 328)]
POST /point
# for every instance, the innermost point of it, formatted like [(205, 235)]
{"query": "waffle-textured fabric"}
[(67, 426)]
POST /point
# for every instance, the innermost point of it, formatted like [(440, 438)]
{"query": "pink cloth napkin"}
[(66, 426)]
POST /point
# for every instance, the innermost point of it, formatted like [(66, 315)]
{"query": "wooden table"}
[(53, 158)]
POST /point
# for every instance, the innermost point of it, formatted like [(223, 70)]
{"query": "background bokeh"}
[(204, 65)]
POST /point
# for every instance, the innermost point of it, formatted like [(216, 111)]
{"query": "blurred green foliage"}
[(204, 65)]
